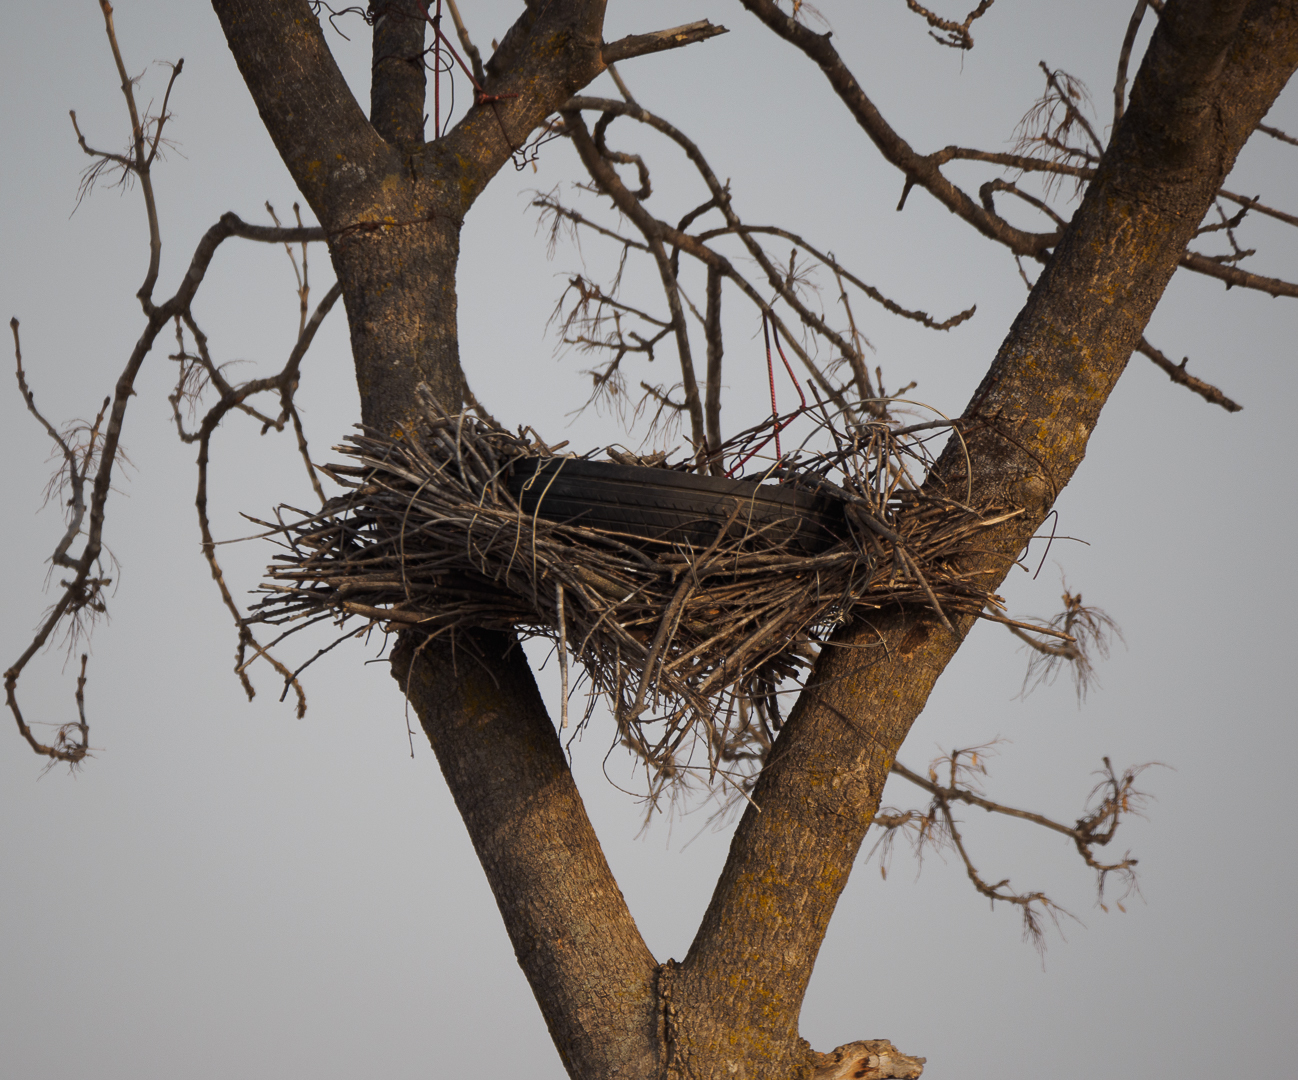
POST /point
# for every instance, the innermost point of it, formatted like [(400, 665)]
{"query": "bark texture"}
[(393, 206), (575, 940)]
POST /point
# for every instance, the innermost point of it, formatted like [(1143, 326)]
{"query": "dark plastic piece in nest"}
[(667, 507)]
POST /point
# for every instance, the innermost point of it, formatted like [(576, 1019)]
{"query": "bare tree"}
[(391, 202)]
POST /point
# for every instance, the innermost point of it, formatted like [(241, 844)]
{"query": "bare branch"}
[(470, 49), (1112, 798), (84, 592), (920, 170), (1087, 634), (712, 332), (1070, 90), (64, 747), (140, 160), (622, 87), (921, 317), (1232, 275), (163, 115), (985, 194), (957, 33), (1024, 162), (1124, 58), (72, 469), (550, 205), (643, 44), (1178, 374), (1254, 204), (1276, 133)]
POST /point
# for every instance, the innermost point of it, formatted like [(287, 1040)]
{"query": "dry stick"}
[(671, 616), (1178, 374), (1015, 626), (1072, 111), (1031, 927), (563, 654), (1124, 58), (715, 353), (548, 204), (215, 377), (986, 191), (655, 230), (303, 284), (827, 258), (76, 475), (932, 598), (470, 49), (759, 611), (1232, 275), (855, 359), (958, 33), (665, 625), (688, 379), (140, 161), (1276, 133), (621, 86), (1023, 162)]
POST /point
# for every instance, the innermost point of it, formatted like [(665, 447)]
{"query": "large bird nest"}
[(689, 643)]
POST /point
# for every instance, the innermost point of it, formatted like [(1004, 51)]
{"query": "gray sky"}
[(226, 891)]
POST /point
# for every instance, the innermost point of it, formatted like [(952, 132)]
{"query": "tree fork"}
[(737, 995)]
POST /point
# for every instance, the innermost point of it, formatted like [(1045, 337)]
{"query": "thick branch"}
[(572, 933), (553, 50), (1206, 82), (318, 128), (397, 75)]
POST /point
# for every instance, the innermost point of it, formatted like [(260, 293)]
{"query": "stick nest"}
[(690, 646)]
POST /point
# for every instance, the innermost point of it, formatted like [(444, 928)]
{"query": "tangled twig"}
[(689, 641)]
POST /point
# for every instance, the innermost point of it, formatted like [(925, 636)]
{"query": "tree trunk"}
[(574, 937), (393, 207)]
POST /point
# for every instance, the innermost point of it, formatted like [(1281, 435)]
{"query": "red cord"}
[(787, 367), (768, 326), (480, 96), (770, 374)]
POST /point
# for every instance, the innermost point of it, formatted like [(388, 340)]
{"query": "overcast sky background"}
[(227, 891)]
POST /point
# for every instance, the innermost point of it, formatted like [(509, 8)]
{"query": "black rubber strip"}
[(672, 507)]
